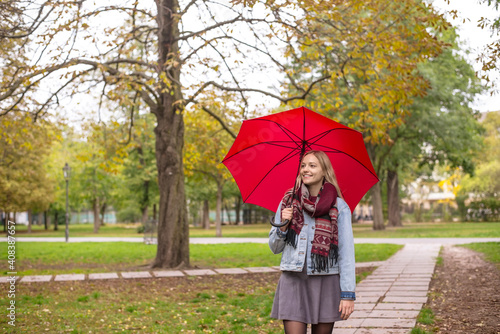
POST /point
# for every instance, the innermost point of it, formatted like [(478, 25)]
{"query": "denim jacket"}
[(293, 259)]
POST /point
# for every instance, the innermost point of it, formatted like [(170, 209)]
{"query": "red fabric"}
[(265, 156)]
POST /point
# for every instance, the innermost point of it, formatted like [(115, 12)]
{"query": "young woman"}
[(318, 271)]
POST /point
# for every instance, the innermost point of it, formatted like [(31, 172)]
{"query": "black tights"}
[(296, 327)]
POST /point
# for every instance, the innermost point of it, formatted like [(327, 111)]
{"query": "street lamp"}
[(66, 170)]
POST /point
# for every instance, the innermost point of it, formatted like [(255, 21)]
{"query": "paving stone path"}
[(152, 274), (389, 300)]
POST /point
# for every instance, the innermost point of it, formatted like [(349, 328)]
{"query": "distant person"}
[(318, 269)]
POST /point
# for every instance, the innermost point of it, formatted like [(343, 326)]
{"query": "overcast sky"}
[(472, 36), (476, 39)]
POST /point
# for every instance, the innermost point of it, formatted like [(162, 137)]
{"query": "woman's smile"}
[(311, 171)]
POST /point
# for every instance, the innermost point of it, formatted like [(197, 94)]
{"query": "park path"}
[(390, 299)]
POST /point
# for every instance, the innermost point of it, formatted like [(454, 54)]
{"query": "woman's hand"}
[(286, 214), (346, 307)]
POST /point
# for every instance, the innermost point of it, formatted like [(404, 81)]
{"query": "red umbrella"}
[(265, 156)]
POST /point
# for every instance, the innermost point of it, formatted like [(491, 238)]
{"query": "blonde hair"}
[(326, 166)]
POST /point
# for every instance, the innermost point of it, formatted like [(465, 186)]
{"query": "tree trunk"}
[(173, 228), (237, 207), (394, 210), (228, 214), (45, 220), (218, 209), (7, 219), (206, 215), (103, 212), (247, 214), (144, 218), (378, 215), (145, 198), (96, 215), (30, 220), (56, 228)]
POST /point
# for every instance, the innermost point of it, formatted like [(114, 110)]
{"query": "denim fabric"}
[(293, 259)]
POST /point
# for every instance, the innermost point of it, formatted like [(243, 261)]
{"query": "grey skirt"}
[(308, 299)]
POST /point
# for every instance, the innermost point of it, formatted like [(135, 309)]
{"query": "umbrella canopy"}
[(265, 156)]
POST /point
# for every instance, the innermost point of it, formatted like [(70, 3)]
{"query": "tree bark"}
[(378, 215), (96, 215), (394, 211), (103, 212), (173, 232), (237, 208), (145, 199), (218, 222), (46, 219), (30, 220), (173, 228), (228, 214), (206, 215), (144, 218)]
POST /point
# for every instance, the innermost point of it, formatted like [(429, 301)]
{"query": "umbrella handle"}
[(277, 224)]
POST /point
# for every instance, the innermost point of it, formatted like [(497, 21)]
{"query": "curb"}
[(152, 274)]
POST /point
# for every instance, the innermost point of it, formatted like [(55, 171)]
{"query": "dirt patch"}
[(464, 294)]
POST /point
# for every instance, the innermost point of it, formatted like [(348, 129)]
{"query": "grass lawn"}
[(491, 251), (80, 230), (409, 230), (39, 258), (208, 304), (431, 230)]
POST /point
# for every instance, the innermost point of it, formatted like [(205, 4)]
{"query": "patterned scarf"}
[(323, 210)]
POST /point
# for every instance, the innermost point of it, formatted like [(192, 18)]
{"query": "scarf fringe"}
[(324, 263), (291, 238)]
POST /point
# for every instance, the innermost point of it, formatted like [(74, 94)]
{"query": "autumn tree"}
[(482, 188), (25, 184), (490, 56), (206, 145), (441, 128), (165, 53), (372, 50), (140, 185), (101, 162)]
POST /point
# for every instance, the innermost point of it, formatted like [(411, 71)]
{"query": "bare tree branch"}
[(255, 90), (218, 119)]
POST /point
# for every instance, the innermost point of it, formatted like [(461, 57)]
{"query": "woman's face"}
[(311, 172)]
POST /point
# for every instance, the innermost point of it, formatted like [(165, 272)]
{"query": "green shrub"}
[(129, 214)]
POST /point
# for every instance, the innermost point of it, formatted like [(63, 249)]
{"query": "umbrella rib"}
[(265, 142), (285, 158), (285, 130), (334, 150), (321, 135)]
